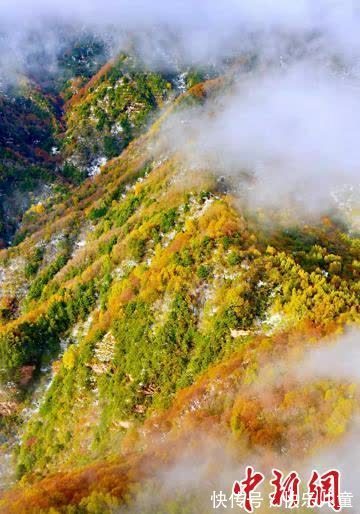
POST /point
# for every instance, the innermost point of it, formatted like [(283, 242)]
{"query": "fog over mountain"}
[(295, 128), (179, 249), (293, 122), (194, 32)]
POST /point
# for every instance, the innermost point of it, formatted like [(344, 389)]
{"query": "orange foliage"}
[(83, 91)]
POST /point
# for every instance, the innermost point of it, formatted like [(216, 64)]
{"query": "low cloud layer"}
[(292, 123), (338, 361), (189, 31), (210, 465), (294, 129)]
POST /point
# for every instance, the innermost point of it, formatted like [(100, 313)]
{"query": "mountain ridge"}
[(146, 301)]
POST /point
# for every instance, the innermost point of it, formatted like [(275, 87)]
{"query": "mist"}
[(295, 130), (210, 463), (292, 122), (283, 133), (340, 361), (171, 33)]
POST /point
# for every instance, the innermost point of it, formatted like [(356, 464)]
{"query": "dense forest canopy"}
[(180, 254)]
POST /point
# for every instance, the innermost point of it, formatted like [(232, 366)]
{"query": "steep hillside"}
[(57, 129), (104, 115), (119, 102), (223, 422), (31, 124), (29, 128), (139, 313)]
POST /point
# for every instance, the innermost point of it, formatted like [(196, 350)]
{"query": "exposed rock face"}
[(239, 333), (8, 408), (26, 374)]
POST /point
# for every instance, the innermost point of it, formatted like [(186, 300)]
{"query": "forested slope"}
[(139, 312)]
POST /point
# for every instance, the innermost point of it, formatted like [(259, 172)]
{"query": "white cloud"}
[(295, 128)]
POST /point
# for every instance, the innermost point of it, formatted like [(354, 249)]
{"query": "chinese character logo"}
[(286, 490), (322, 491), (244, 494)]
